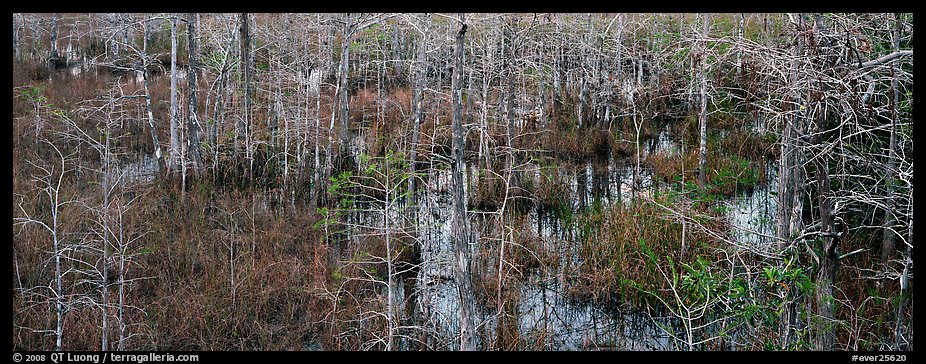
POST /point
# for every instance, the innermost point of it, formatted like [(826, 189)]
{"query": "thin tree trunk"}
[(158, 155), (342, 89), (826, 338), (899, 339), (390, 307), (53, 195), (419, 85), (788, 194), (509, 102), (316, 173), (53, 58), (887, 240), (193, 144), (218, 118), (15, 39), (244, 60), (583, 94), (104, 287), (829, 264), (461, 266), (702, 120), (739, 54), (121, 306), (174, 158)]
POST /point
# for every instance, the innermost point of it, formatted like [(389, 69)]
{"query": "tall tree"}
[(829, 261), (193, 145), (419, 83), (887, 240), (51, 184), (460, 228), (173, 160), (244, 131), (790, 179), (702, 117), (16, 35), (347, 33), (54, 60), (158, 155)]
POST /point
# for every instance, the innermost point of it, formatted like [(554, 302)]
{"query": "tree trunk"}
[(461, 266), (244, 61), (419, 85), (158, 155), (15, 39), (121, 305), (54, 60), (583, 93), (826, 339), (740, 31), (788, 179), (173, 160), (887, 240), (317, 172), (342, 88), (702, 120), (509, 96), (899, 340), (104, 286), (193, 144), (397, 52)]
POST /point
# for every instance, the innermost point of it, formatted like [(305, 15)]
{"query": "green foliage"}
[(700, 284), (34, 93)]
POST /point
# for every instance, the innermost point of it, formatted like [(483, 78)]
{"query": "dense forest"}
[(187, 181)]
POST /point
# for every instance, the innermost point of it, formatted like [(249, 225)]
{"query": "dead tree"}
[(51, 181), (460, 226), (419, 82), (193, 144), (702, 116), (173, 161)]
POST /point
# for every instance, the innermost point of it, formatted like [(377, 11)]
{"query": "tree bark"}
[(702, 120), (15, 39), (904, 285), (342, 86), (53, 58), (104, 286), (887, 240), (789, 179), (245, 62), (510, 74), (193, 144), (461, 266), (581, 115), (174, 159), (158, 155), (419, 85), (826, 339)]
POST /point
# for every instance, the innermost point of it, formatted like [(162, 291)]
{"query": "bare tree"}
[(51, 181), (54, 59), (702, 118), (144, 70), (173, 161), (193, 144), (419, 81), (887, 241), (16, 34), (461, 237), (244, 130)]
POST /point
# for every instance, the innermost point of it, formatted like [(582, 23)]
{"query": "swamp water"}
[(546, 317)]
